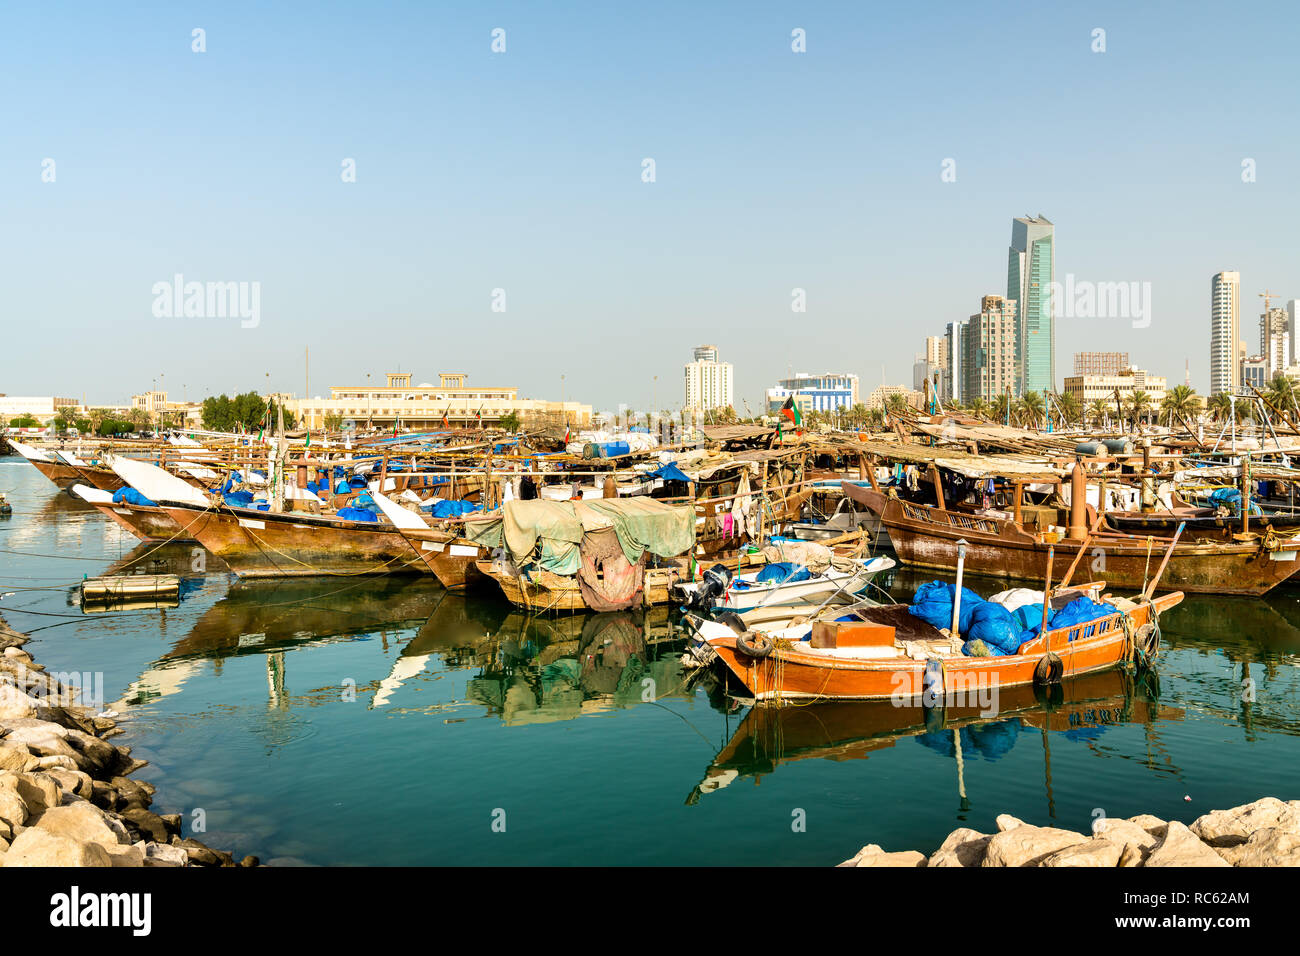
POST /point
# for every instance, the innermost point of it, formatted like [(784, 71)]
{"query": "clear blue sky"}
[(522, 171)]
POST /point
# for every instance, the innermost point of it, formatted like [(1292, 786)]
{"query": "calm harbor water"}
[(385, 721)]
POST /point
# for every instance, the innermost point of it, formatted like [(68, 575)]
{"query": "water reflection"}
[(270, 617), (546, 669), (1079, 711)]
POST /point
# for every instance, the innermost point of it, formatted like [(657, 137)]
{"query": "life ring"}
[(756, 646)]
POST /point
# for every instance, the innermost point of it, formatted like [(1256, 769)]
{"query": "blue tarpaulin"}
[(132, 497), (668, 472)]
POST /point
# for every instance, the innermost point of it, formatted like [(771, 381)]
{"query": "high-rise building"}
[(1274, 340), (1100, 363), (1031, 269), (708, 381), (1292, 308), (936, 351), (1225, 300), (955, 345), (989, 347)]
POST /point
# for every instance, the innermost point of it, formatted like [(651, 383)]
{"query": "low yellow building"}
[(423, 406)]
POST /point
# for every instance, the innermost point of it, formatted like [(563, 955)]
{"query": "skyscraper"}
[(989, 347), (1031, 269), (1225, 298), (1275, 342), (708, 381)]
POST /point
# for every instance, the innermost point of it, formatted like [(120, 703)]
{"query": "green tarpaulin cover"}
[(642, 524)]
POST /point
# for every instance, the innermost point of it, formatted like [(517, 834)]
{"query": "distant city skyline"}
[(495, 212)]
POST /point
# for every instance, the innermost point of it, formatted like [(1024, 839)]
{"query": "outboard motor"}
[(713, 584)]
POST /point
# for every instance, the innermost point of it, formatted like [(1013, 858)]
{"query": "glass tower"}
[(1031, 269)]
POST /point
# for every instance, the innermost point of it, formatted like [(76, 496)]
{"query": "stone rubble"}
[(65, 794), (1263, 833)]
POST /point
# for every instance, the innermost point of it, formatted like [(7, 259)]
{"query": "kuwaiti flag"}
[(791, 411), (568, 433)]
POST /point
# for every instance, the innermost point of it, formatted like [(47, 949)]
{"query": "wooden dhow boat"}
[(889, 652), (146, 522), (998, 543), (255, 543), (584, 555), (921, 659), (65, 469)]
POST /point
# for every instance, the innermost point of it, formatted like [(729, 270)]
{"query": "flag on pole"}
[(568, 433), (791, 411)]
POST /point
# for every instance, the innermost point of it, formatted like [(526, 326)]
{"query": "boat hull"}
[(555, 593), (791, 675), (453, 560), (146, 523), (927, 537), (259, 544)]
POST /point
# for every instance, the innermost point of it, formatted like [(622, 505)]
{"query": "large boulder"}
[(126, 855), (39, 791), (1006, 821), (41, 738), (16, 758), (1027, 845), (1181, 847), (1153, 825), (37, 847), (873, 855), (1094, 852), (158, 854), (1222, 828), (150, 825), (1271, 847), (13, 808), (1127, 835), (82, 821), (14, 704), (963, 847)]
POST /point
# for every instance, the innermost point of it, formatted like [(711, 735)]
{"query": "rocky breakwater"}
[(1263, 833), (66, 797)]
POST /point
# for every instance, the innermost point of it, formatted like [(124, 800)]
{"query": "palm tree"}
[(1281, 391), (1138, 403), (1098, 412), (1030, 409), (897, 404), (1179, 404), (1069, 407), (1001, 407), (876, 417)]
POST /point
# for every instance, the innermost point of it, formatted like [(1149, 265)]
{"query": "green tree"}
[(1098, 412), (1178, 405), (333, 422), (1069, 407), (1280, 392), (1139, 402), (510, 421), (24, 421), (1030, 409)]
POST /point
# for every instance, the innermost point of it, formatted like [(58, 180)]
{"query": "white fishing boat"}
[(796, 586), (844, 519)]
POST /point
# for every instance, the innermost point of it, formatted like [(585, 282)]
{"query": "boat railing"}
[(953, 519)]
